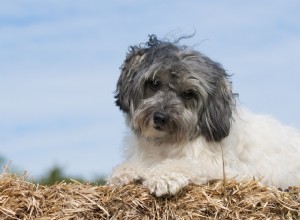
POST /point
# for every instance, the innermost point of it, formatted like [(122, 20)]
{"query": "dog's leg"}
[(172, 175), (125, 173)]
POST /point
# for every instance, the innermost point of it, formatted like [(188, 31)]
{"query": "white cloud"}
[(31, 96)]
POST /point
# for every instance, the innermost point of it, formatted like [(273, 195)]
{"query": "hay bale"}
[(20, 199)]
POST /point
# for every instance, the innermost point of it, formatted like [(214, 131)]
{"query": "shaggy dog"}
[(186, 125)]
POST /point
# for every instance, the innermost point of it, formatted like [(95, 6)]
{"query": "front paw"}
[(123, 175), (164, 184)]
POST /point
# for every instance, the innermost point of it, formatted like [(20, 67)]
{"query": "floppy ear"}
[(215, 119), (126, 92)]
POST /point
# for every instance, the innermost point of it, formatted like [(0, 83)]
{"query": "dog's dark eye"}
[(188, 94), (154, 84)]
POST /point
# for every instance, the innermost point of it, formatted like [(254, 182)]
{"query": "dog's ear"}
[(215, 118), (126, 92)]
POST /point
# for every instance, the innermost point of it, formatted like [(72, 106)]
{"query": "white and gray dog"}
[(185, 124)]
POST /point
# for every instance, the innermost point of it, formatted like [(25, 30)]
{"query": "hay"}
[(20, 199)]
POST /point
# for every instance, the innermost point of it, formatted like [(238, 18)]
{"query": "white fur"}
[(258, 146)]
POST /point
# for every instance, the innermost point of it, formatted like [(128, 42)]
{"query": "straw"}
[(21, 199)]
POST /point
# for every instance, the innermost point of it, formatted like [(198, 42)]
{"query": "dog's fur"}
[(183, 114)]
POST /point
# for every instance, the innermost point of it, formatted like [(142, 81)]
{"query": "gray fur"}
[(181, 82)]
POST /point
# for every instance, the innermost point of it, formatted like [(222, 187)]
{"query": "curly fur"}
[(181, 109)]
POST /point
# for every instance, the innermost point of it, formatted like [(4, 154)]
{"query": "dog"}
[(186, 125)]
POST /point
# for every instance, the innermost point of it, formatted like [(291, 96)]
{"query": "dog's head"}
[(172, 93)]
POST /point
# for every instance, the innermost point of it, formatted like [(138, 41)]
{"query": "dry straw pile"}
[(20, 199)]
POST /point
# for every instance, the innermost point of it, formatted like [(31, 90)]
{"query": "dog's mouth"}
[(158, 127)]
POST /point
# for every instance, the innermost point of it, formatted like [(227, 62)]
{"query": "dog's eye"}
[(188, 94), (154, 84)]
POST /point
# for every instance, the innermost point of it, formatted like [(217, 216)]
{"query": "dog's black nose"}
[(160, 118)]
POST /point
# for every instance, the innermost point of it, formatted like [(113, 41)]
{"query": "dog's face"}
[(173, 94)]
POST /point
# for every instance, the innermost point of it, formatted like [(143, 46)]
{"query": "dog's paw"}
[(165, 184), (123, 175)]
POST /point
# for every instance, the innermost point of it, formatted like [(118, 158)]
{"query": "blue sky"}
[(59, 63)]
